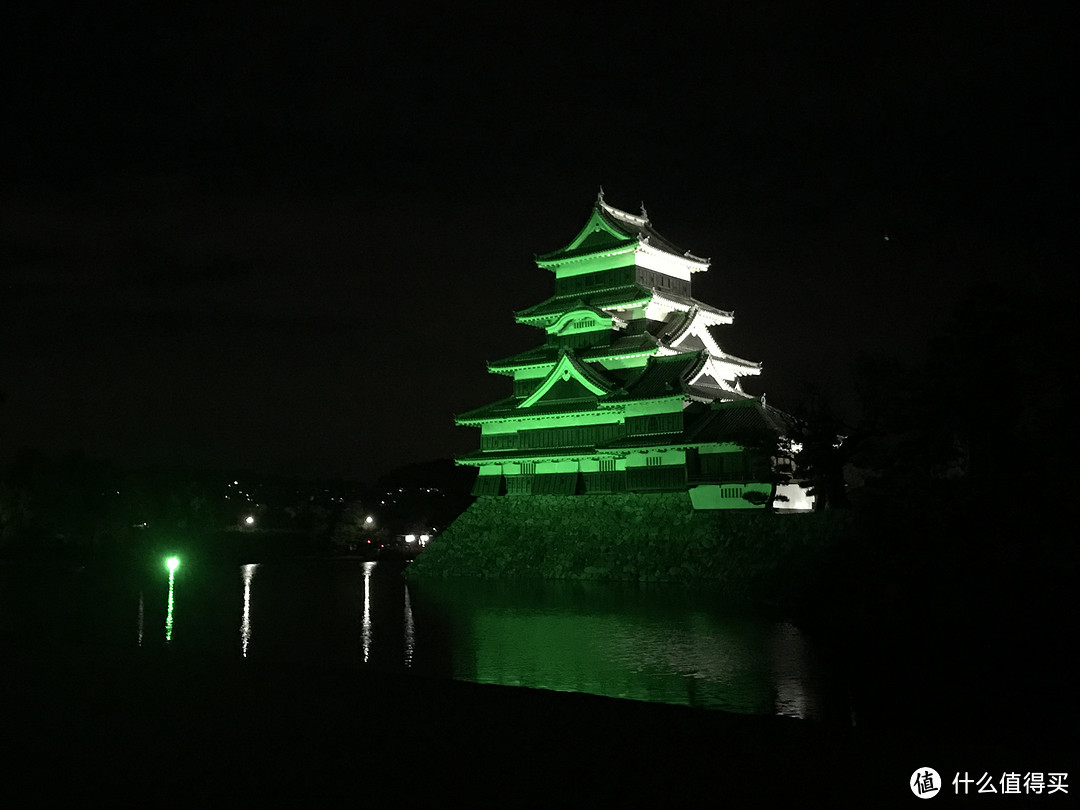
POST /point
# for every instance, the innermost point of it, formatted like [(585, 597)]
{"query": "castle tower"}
[(630, 390)]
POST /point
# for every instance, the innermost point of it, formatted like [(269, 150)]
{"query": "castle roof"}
[(511, 407), (610, 229), (619, 297), (692, 307), (745, 422), (552, 453), (625, 346), (622, 296), (537, 356), (664, 376), (735, 421)]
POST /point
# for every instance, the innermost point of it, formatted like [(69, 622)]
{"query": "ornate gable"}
[(599, 233), (584, 319), (570, 379)]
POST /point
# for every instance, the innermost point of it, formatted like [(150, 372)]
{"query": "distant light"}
[(369, 519), (173, 563), (410, 538), (249, 520), (424, 538)]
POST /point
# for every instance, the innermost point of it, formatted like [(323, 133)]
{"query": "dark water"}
[(655, 642)]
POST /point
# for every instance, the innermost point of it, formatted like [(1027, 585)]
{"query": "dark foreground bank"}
[(164, 730)]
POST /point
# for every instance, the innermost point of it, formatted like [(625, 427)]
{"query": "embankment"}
[(654, 537)]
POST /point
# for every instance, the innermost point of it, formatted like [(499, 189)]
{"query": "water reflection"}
[(410, 631), (689, 660), (791, 660), (247, 574), (654, 642), (366, 624), (169, 611), (645, 643)]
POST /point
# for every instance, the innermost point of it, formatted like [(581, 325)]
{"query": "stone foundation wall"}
[(651, 537)]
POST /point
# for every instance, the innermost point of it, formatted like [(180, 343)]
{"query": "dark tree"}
[(822, 439)]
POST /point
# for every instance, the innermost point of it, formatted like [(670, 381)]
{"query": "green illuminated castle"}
[(630, 390)]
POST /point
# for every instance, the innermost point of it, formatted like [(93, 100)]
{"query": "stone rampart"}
[(651, 537)]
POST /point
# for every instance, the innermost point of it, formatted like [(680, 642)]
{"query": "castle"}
[(630, 390)]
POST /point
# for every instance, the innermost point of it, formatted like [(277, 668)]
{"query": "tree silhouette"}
[(819, 461)]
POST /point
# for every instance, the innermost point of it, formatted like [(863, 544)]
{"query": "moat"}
[(652, 642)]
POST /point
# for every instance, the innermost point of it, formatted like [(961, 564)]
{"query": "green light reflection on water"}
[(619, 657), (172, 563), (657, 645)]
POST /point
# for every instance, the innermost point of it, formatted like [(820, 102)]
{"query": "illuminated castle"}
[(630, 390)]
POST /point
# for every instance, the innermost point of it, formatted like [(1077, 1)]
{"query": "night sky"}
[(289, 238)]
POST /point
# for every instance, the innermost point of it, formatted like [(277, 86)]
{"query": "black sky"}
[(289, 238)]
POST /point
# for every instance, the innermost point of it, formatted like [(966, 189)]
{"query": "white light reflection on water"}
[(366, 626), (247, 574), (410, 633), (169, 613), (140, 618), (791, 672)]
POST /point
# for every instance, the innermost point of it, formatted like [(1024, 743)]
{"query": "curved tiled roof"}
[(508, 408), (603, 298), (639, 226), (549, 353), (685, 301), (540, 355), (734, 421), (663, 376), (626, 345), (633, 227)]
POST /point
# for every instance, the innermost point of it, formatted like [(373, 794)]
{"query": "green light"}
[(173, 563)]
